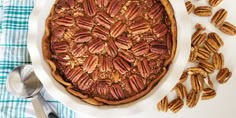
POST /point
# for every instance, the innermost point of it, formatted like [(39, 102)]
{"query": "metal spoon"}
[(22, 82)]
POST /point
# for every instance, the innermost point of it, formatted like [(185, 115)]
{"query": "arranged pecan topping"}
[(82, 36), (121, 65), (90, 63), (89, 7), (85, 22), (114, 51), (96, 46), (140, 48)]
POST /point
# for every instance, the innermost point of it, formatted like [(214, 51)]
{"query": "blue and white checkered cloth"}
[(14, 15)]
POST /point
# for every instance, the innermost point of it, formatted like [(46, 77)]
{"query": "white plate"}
[(56, 90)]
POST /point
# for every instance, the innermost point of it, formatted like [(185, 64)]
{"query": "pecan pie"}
[(110, 52)]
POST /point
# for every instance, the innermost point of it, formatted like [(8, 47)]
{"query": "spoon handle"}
[(42, 108)]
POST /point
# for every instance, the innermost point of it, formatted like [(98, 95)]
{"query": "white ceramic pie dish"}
[(36, 31)]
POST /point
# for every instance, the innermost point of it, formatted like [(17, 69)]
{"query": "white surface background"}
[(224, 104)]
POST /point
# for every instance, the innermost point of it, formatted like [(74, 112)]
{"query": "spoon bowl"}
[(22, 82)]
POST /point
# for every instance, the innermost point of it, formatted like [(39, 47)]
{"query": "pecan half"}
[(140, 48), (219, 17), (152, 56), (156, 11), (117, 92), (160, 30), (216, 38), (203, 11), (133, 11), (121, 65), (163, 105), (89, 7), (123, 42), (207, 66), (203, 53), (214, 3), (228, 28), (65, 21), (102, 3), (96, 46), (104, 19), (90, 63), (144, 68), (105, 64), (158, 48), (117, 29), (189, 6), (59, 47), (126, 55), (85, 22), (58, 31), (136, 83), (197, 82), (62, 58), (208, 93), (61, 6), (85, 82), (111, 48), (73, 74), (224, 75), (192, 98), (82, 36), (114, 7), (211, 45), (102, 88), (196, 70), (183, 77), (79, 50), (176, 105), (181, 91), (100, 32), (218, 60), (199, 39), (139, 27)]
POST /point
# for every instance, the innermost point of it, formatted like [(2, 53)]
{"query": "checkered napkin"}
[(14, 15)]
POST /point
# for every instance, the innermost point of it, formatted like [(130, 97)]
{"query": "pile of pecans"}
[(205, 55)]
